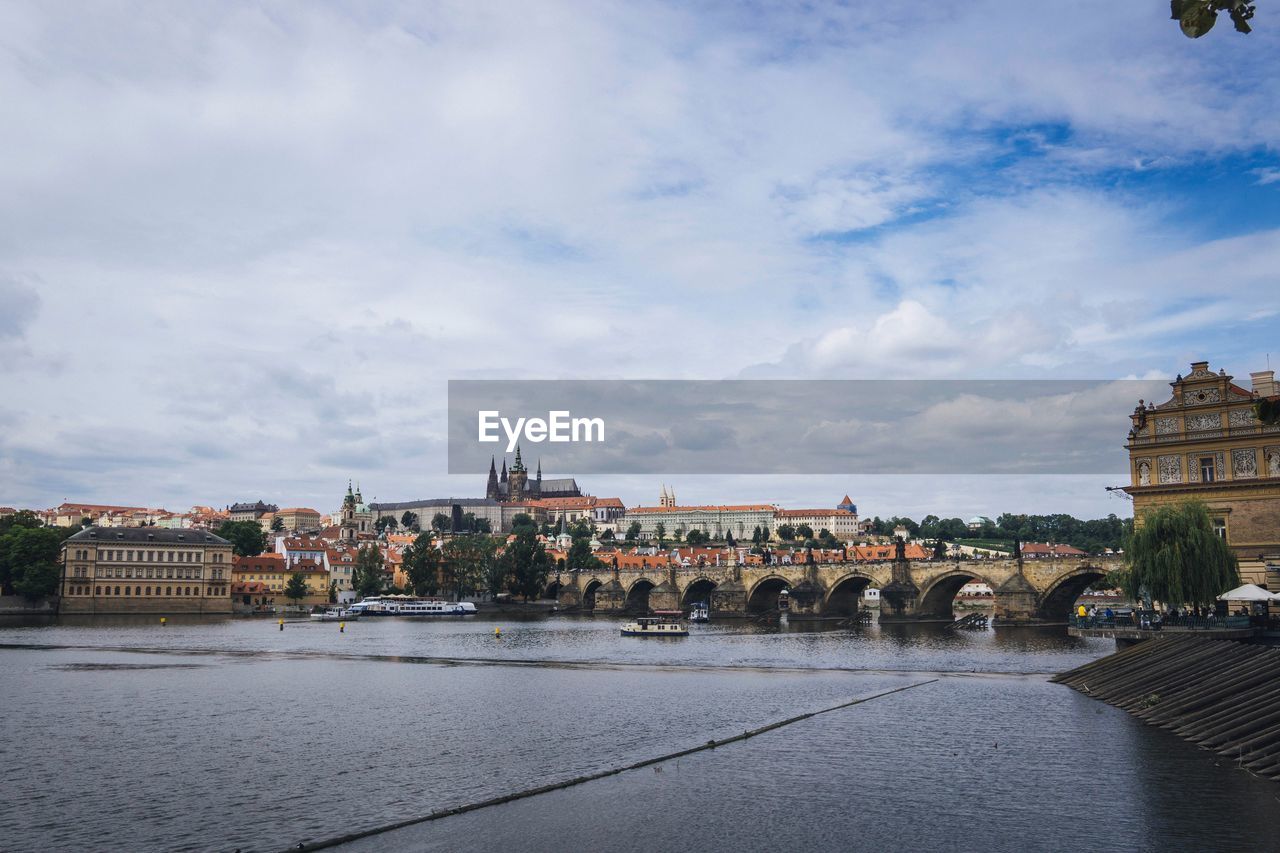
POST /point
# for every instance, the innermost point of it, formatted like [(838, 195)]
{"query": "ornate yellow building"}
[(1206, 443)]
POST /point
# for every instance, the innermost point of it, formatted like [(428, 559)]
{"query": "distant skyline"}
[(243, 246)]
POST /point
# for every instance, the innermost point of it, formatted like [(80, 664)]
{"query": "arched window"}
[(148, 590), (188, 591), (168, 590), (137, 590), (126, 590)]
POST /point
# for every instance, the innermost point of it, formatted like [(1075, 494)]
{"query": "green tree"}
[(466, 561), (521, 522), (386, 522), (409, 521), (441, 523), (757, 535), (422, 565), (277, 525), (580, 557), (296, 588), (527, 565), (1178, 558), (729, 540), (30, 559), (22, 518), (804, 531), (786, 532), (939, 549), (696, 537), (633, 531), (367, 577), (247, 537), (333, 592), (660, 531)]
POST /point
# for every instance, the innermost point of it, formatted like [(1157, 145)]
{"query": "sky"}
[(243, 247)]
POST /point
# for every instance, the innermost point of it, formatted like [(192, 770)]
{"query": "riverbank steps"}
[(1221, 694)]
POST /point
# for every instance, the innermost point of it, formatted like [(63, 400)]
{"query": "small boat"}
[(700, 612), (655, 626), (335, 614)]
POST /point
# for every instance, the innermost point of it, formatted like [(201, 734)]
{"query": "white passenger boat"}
[(654, 626), (335, 614), (700, 612), (435, 607)]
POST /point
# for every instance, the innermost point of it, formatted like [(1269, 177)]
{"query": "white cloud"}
[(266, 236)]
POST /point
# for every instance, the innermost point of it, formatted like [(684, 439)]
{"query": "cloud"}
[(260, 242), (21, 302)]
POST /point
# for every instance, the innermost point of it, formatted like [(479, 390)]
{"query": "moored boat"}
[(655, 626), (335, 614), (700, 612)]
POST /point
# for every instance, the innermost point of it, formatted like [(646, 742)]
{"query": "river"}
[(220, 734)]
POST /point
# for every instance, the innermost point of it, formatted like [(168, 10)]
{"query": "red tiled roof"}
[(720, 508)]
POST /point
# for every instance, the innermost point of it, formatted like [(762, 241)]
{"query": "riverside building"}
[(1206, 442), (145, 570)]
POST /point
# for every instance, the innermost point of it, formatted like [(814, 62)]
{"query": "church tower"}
[(491, 490), (347, 526), (517, 479)]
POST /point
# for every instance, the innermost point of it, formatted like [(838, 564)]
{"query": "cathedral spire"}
[(504, 470), (539, 469)]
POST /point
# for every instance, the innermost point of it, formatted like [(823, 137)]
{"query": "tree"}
[(660, 531), (409, 521), (633, 531), (422, 565), (386, 522), (247, 537), (466, 561), (756, 535), (441, 523), (527, 565), (367, 577), (277, 525), (696, 537), (1177, 558), (580, 558), (786, 532), (729, 540), (939, 549), (1197, 17), (607, 536), (30, 556), (804, 531), (296, 588), (333, 592), (521, 522)]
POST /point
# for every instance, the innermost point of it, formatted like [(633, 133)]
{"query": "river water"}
[(224, 734)]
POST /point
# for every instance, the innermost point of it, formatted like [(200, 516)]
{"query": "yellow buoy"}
[(162, 620), (497, 632), (342, 627), (281, 624)]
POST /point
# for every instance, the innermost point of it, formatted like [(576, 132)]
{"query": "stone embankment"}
[(1220, 694)]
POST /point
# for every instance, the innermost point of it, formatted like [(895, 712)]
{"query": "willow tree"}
[(1176, 554)]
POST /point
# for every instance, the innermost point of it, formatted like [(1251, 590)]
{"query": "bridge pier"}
[(729, 599)]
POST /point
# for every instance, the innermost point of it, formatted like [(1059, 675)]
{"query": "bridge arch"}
[(763, 596), (553, 589), (938, 599), (843, 597), (589, 594), (1060, 597), (698, 590), (638, 596)]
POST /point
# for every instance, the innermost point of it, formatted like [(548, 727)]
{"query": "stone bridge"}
[(1026, 591)]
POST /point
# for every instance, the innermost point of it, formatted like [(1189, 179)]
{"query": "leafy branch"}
[(1197, 17)]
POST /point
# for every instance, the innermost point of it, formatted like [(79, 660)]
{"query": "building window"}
[(1220, 527), (148, 590), (1207, 470), (168, 590), (97, 590)]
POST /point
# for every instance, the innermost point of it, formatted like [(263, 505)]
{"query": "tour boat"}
[(659, 626), (336, 614), (700, 612), (435, 607)]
